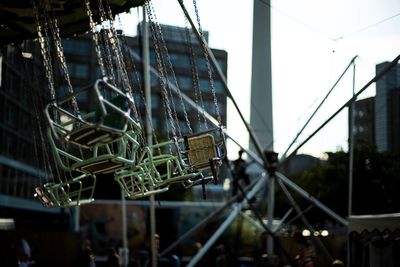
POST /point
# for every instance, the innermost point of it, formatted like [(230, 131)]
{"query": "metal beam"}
[(236, 211)]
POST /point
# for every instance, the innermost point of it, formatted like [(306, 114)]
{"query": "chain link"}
[(209, 71), (45, 51), (114, 41), (61, 59), (95, 38), (195, 79), (161, 71)]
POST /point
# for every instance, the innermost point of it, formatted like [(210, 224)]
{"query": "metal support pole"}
[(378, 76), (236, 211), (351, 143), (316, 240), (319, 106), (124, 253), (312, 199), (270, 213), (351, 157), (204, 222), (147, 91)]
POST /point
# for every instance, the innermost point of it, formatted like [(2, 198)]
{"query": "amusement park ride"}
[(108, 137)]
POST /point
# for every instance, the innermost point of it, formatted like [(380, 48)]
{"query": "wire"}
[(366, 27)]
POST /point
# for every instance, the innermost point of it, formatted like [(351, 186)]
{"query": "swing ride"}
[(106, 137)]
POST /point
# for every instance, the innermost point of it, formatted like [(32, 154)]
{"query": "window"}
[(221, 63), (76, 47), (174, 59), (62, 91), (219, 88), (154, 123), (154, 101), (185, 82), (202, 64), (81, 71), (184, 61), (204, 85), (153, 80)]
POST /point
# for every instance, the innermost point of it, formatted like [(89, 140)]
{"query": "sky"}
[(312, 43)]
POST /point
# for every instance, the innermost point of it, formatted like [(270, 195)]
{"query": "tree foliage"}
[(376, 180)]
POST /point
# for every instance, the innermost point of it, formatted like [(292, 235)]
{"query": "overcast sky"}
[(312, 43)]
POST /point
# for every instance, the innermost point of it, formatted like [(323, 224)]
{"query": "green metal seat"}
[(99, 159), (74, 192), (152, 174), (104, 121)]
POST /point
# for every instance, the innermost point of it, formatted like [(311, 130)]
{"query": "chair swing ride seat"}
[(109, 121), (152, 174), (73, 192), (203, 152), (99, 159)]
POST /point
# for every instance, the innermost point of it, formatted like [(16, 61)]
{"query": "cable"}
[(366, 27)]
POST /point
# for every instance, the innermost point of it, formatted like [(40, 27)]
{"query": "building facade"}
[(190, 69), (364, 123), (387, 110)]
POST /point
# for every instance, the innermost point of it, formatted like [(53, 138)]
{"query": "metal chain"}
[(161, 71), (45, 51), (61, 59), (131, 67), (161, 44), (195, 78), (113, 38), (172, 73), (109, 57), (209, 71), (95, 38)]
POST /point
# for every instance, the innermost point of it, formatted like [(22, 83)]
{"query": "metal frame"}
[(99, 126), (74, 192)]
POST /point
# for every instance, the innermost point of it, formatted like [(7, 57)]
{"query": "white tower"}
[(261, 82)]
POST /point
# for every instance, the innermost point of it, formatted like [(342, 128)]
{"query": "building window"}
[(185, 82), (204, 85), (81, 71), (154, 101), (202, 64), (219, 88), (76, 47), (221, 64), (154, 123)]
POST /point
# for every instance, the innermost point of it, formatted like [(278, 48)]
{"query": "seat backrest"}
[(201, 149)]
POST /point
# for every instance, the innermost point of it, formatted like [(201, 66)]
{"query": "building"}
[(22, 153), (187, 58), (364, 123), (387, 109)]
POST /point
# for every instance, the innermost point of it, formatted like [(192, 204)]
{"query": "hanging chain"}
[(95, 38), (173, 75), (163, 55), (195, 79), (209, 71), (113, 38), (135, 76), (161, 71), (61, 59), (43, 38)]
